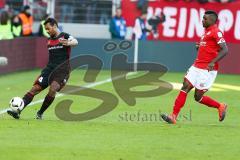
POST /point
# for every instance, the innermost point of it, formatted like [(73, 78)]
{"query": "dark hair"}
[(144, 11), (213, 13), (4, 17), (51, 21), (26, 7), (45, 17)]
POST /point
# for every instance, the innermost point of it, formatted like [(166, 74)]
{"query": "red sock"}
[(179, 102), (209, 102)]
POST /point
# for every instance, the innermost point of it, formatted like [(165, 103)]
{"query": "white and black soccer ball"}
[(16, 104)]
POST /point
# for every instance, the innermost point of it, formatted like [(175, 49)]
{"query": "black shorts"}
[(48, 76)]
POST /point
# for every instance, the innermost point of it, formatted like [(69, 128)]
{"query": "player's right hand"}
[(211, 66)]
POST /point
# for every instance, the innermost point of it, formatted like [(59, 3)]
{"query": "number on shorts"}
[(40, 79)]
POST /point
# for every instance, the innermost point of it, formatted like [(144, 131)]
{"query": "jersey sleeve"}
[(66, 35), (218, 36), (71, 38)]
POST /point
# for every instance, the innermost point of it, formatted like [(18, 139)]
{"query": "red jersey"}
[(209, 47)]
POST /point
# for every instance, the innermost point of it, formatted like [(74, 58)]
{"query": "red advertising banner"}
[(184, 19)]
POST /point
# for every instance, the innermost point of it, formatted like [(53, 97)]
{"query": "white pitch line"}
[(78, 89), (3, 111)]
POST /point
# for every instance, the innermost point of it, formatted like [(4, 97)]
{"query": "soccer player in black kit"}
[(56, 73)]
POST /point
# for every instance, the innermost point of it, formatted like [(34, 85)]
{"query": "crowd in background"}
[(84, 11), (18, 25), (142, 27)]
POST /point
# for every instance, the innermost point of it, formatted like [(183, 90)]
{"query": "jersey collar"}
[(211, 27), (60, 35)]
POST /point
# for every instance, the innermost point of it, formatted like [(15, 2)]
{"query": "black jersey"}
[(58, 67), (58, 54)]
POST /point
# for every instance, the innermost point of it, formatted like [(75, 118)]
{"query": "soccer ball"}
[(16, 104)]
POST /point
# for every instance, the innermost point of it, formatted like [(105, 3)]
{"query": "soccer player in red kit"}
[(201, 75)]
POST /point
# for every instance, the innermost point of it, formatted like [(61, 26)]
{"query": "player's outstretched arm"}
[(71, 41)]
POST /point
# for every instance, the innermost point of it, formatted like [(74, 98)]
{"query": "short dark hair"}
[(26, 7), (144, 11), (51, 21), (212, 13)]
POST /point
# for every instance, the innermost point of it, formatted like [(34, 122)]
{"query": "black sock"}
[(46, 103), (27, 98)]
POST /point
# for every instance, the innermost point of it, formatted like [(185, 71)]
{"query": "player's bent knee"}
[(186, 87), (54, 87), (52, 92), (197, 97)]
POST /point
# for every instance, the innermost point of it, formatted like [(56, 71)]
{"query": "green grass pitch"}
[(115, 136)]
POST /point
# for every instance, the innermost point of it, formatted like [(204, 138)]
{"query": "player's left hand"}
[(64, 42), (211, 66)]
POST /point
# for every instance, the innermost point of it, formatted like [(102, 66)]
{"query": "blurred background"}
[(162, 31)]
